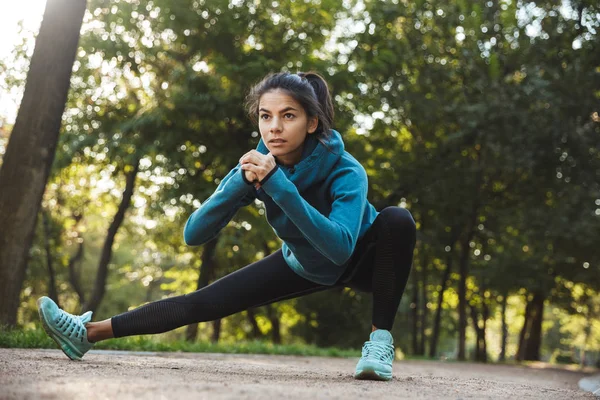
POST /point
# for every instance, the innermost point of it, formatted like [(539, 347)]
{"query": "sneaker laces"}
[(379, 351), (70, 325)]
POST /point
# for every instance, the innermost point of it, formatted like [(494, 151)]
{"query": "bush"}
[(38, 339)]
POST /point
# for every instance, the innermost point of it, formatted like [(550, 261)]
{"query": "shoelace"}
[(380, 351), (69, 324)]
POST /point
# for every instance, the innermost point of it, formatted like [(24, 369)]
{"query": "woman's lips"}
[(277, 142)]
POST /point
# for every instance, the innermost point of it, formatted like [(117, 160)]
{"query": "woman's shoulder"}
[(349, 160), (348, 167)]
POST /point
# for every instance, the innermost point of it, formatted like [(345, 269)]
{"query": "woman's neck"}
[(289, 160)]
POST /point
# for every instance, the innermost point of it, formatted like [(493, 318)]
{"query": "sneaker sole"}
[(66, 347), (369, 374)]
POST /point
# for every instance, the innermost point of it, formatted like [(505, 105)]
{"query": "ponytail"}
[(321, 90)]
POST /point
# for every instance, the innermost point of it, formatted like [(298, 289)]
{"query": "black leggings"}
[(380, 264)]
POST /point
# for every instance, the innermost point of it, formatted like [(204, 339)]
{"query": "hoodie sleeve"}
[(334, 236), (232, 193)]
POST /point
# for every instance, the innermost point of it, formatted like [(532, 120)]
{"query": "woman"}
[(315, 196)]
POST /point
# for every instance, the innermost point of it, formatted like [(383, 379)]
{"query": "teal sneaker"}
[(377, 357), (67, 330)]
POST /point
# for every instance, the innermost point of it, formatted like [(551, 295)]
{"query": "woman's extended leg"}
[(264, 281)]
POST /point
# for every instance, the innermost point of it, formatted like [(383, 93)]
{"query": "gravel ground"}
[(48, 374)]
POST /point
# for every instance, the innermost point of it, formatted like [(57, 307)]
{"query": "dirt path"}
[(48, 374)]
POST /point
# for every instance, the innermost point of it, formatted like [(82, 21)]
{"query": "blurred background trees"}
[(482, 118)]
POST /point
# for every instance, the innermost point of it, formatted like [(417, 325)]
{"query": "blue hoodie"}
[(318, 208)]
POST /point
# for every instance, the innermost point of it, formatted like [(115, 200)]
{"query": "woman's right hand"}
[(251, 176)]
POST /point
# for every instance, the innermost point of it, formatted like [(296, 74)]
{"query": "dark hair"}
[(309, 89)]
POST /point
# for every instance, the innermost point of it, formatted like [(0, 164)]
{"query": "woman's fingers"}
[(250, 167), (242, 157), (252, 157), (258, 163), (251, 176), (259, 170)]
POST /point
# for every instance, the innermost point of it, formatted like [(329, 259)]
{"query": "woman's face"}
[(283, 126)]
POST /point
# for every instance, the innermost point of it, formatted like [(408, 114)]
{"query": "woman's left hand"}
[(260, 164)]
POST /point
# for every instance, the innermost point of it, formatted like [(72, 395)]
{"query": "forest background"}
[(481, 118)]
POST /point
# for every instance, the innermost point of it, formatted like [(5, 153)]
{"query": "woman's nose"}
[(275, 125)]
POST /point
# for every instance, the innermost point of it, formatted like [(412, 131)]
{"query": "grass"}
[(38, 339)]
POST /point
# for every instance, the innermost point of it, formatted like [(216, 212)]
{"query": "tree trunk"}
[(415, 311), (32, 145), (53, 293), (524, 329), (462, 284), (256, 332), (438, 312), (423, 322), (475, 320), (464, 262), (486, 316), (216, 330), (207, 272), (150, 291), (74, 275), (504, 330), (273, 316), (587, 331), (462, 294), (534, 339), (102, 273), (480, 345)]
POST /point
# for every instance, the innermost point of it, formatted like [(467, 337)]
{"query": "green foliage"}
[(37, 338)]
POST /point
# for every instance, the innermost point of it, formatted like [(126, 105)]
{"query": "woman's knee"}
[(400, 218)]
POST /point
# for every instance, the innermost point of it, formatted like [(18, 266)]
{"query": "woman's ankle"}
[(97, 331)]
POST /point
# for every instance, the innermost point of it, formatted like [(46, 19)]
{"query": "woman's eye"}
[(289, 116), (264, 116)]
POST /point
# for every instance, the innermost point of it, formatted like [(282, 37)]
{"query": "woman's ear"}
[(313, 123)]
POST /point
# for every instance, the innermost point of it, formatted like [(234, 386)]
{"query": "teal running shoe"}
[(67, 330), (377, 357)]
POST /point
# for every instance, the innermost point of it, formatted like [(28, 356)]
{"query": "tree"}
[(107, 249), (30, 151)]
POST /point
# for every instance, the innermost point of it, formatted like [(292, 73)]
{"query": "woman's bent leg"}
[(385, 265), (393, 260), (262, 282), (382, 263)]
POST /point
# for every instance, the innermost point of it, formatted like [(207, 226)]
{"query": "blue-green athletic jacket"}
[(318, 208)]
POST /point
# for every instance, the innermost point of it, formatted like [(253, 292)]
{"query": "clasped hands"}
[(257, 165)]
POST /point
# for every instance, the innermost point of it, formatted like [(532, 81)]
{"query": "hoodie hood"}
[(316, 163)]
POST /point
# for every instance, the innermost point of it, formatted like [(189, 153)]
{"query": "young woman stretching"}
[(315, 196)]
